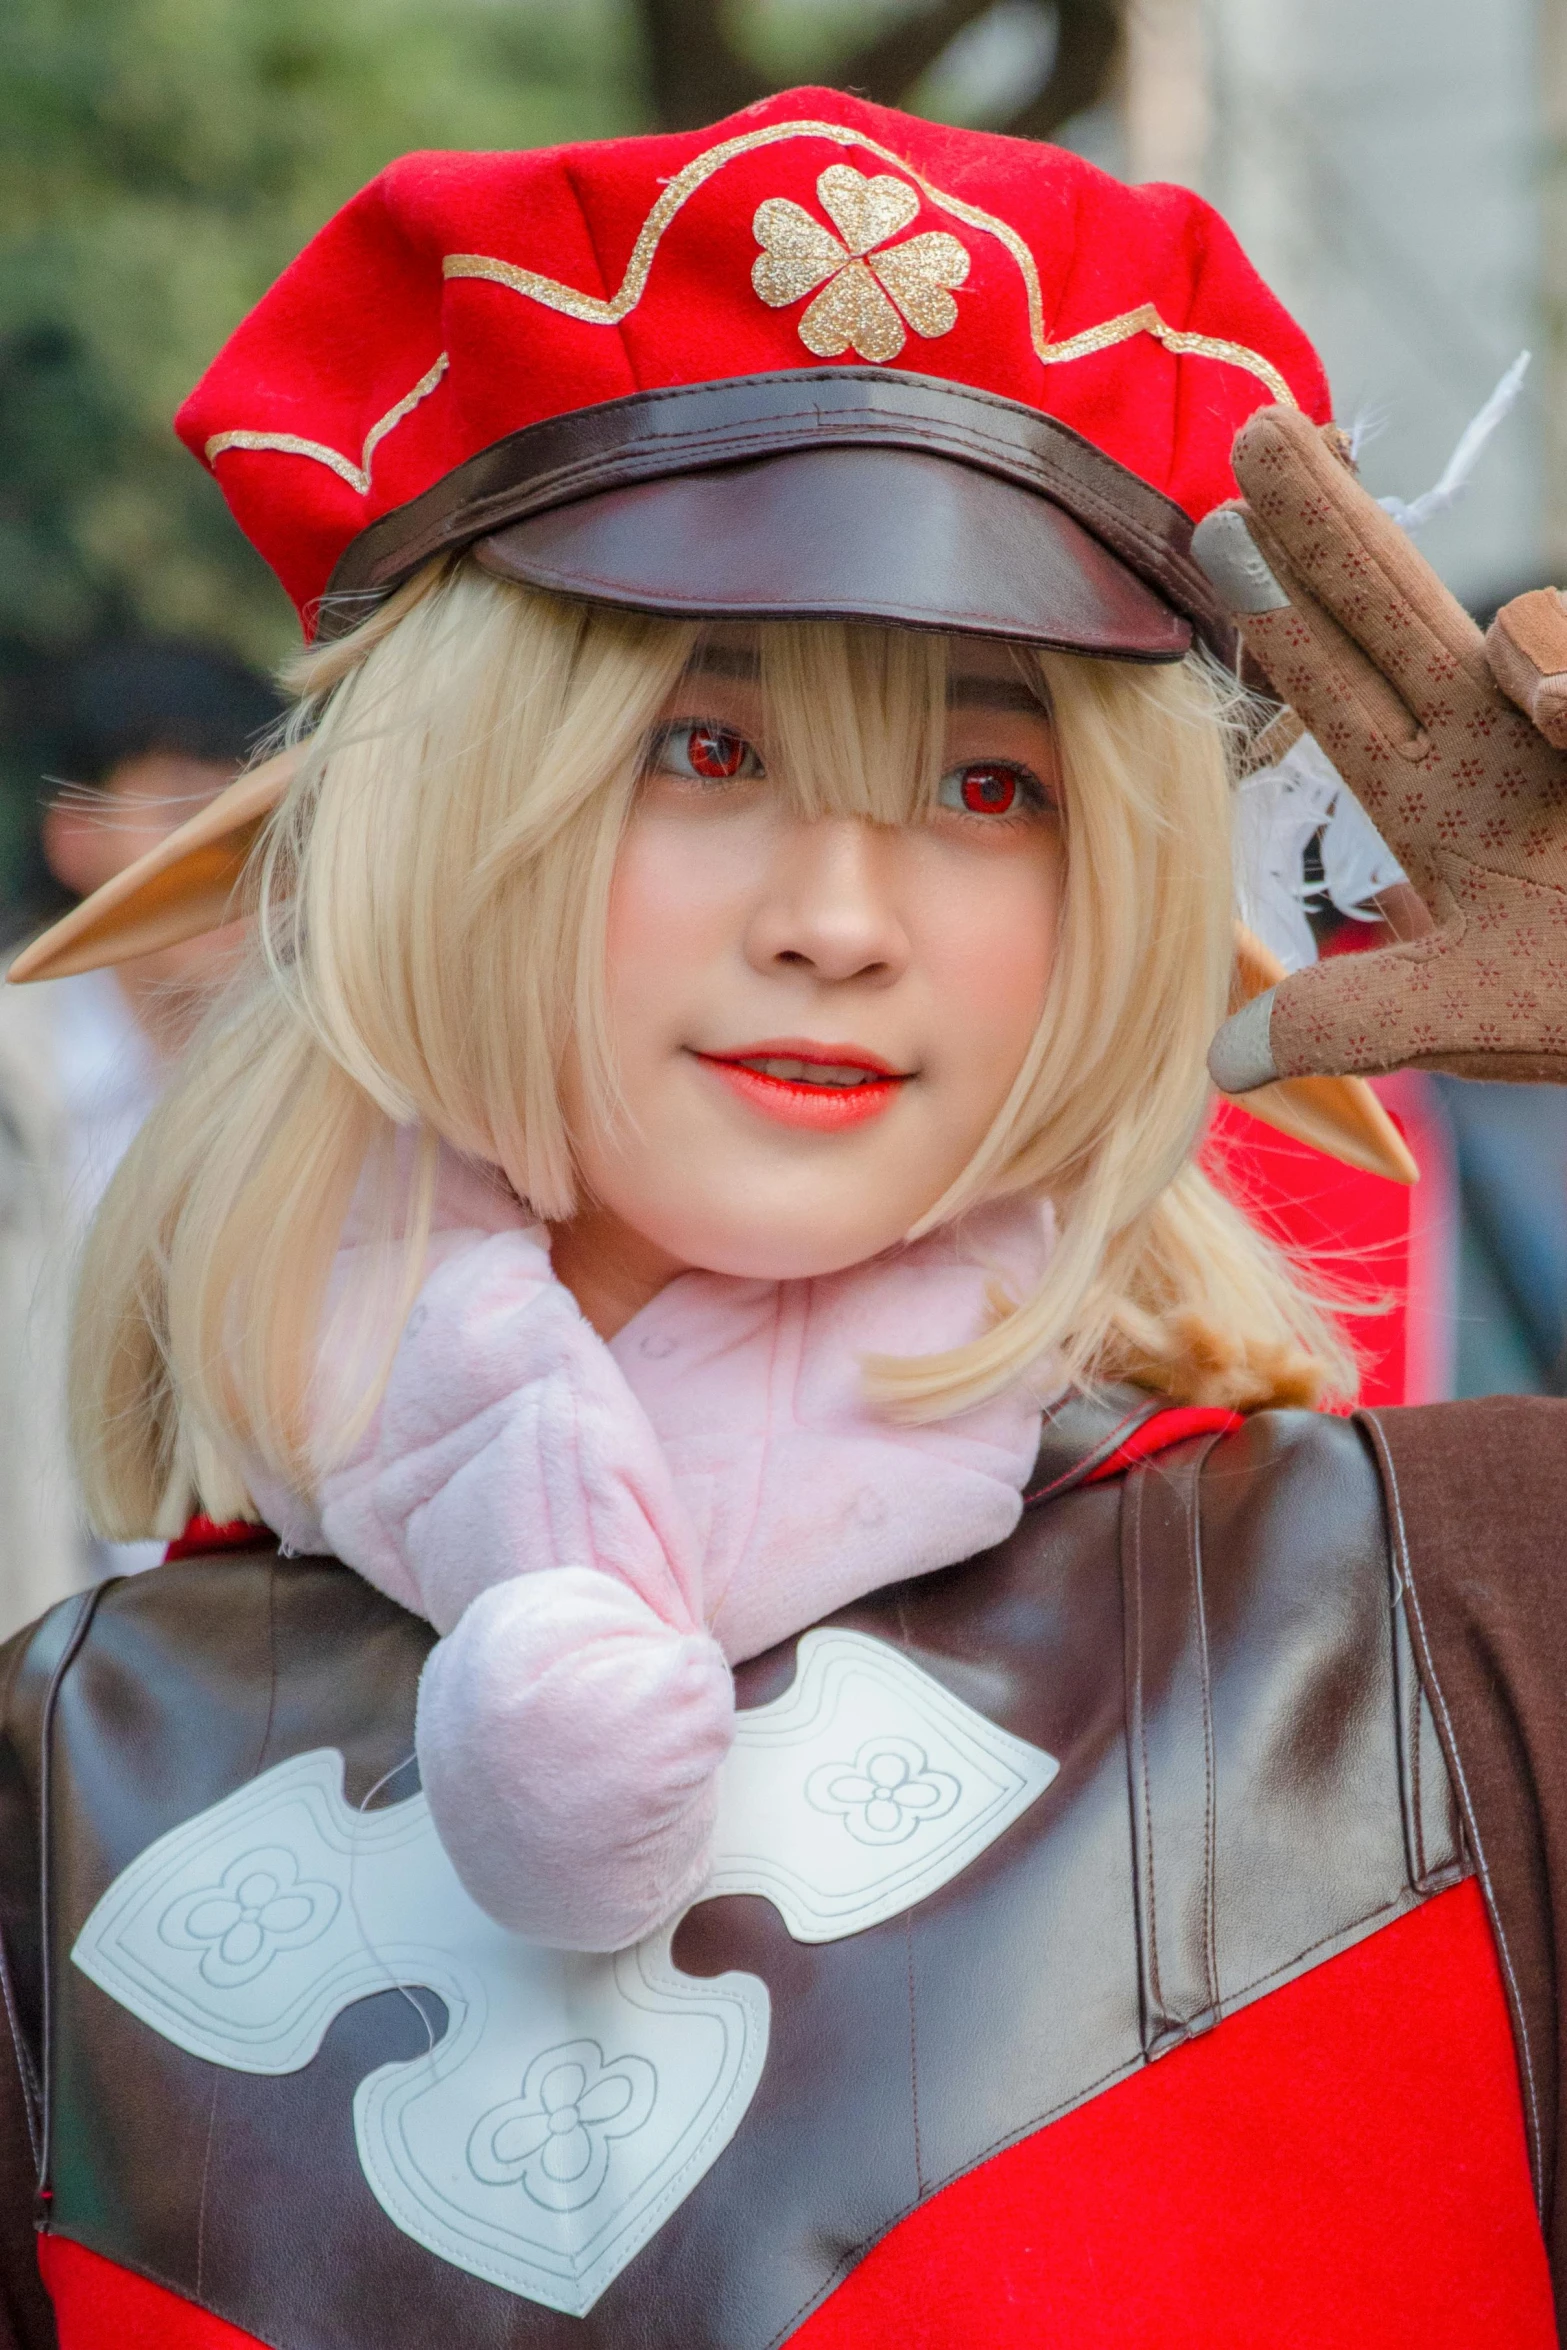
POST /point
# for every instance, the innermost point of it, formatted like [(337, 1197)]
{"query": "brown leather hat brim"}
[(952, 542), (857, 534)]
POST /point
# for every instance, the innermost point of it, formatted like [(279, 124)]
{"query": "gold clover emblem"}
[(871, 285)]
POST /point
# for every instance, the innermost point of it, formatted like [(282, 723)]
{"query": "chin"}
[(772, 1248)]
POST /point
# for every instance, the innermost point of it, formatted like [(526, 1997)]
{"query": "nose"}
[(828, 907)]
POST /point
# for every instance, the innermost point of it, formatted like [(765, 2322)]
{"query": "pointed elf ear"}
[(185, 886), (1339, 1115)]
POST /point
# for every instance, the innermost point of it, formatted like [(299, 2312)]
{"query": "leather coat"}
[(1278, 1688)]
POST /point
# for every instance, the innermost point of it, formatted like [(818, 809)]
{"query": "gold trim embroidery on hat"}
[(871, 286), (598, 310), (291, 445)]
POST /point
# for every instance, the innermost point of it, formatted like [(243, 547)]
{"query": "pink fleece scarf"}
[(599, 1531)]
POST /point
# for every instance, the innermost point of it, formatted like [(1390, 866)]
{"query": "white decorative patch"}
[(565, 2116), (573, 2101), (864, 1789)]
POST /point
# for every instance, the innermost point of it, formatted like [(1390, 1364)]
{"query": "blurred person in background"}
[(145, 734), (1508, 1147), (1510, 1153)]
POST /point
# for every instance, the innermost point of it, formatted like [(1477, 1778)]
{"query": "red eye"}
[(704, 750), (988, 791), (714, 753)]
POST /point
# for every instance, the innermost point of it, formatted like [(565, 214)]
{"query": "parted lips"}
[(1359, 635)]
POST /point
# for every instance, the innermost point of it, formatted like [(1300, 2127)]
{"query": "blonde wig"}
[(433, 899)]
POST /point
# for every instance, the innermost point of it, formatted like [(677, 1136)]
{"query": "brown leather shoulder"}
[(30, 1667), (1477, 1499), (1235, 1551)]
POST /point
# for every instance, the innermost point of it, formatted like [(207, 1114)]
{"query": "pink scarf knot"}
[(599, 1531)]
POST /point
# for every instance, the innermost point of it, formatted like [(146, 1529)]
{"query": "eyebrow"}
[(995, 693), (972, 692), (741, 661)]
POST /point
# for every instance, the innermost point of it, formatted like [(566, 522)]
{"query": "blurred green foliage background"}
[(162, 160)]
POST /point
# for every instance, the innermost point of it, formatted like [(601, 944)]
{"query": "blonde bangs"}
[(434, 902), (855, 717)]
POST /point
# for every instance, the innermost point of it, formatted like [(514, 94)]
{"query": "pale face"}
[(815, 1020)]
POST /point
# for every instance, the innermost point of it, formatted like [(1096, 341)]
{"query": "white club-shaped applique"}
[(869, 286), (573, 2101)]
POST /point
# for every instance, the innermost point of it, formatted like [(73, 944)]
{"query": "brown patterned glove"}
[(1359, 635)]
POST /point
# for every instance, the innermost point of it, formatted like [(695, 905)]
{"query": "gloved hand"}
[(1390, 674)]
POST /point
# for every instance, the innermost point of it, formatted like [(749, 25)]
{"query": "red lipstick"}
[(779, 1076)]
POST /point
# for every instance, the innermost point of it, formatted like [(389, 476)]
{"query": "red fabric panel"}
[(1349, 1229), (204, 1534), (1341, 2165), (1431, 1312), (100, 2306), (1159, 1433)]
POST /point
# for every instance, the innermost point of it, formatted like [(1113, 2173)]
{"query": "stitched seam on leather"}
[(1091, 1460), (24, 2055), (1399, 1906), (32, 2087), (24, 2070), (1210, 1956), (206, 2165), (67, 1657), (1417, 1700), (935, 388), (13, 1670), (914, 2061), (272, 1671), (1136, 1486), (1515, 1997)]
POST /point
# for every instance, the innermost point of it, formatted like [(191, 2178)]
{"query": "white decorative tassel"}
[(1278, 812), (1414, 515)]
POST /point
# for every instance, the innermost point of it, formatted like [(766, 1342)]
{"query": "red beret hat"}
[(822, 359)]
